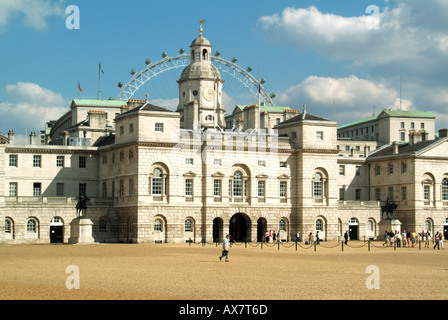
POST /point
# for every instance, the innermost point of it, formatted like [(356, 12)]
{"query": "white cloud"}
[(35, 12), (28, 107), (342, 99), (398, 38)]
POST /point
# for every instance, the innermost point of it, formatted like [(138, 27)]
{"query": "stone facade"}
[(154, 175)]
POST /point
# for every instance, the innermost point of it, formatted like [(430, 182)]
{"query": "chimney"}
[(11, 137), (304, 112), (415, 137), (443, 133), (33, 138), (395, 147), (65, 138)]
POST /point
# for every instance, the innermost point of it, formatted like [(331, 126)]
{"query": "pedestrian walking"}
[(298, 236), (225, 248), (310, 238), (437, 239), (441, 240)]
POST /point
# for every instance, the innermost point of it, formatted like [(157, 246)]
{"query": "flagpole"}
[(99, 81)]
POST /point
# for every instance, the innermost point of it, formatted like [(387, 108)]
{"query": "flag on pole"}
[(79, 87), (101, 69)]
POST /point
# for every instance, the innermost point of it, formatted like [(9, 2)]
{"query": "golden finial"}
[(200, 26)]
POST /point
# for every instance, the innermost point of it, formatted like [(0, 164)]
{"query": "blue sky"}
[(318, 53)]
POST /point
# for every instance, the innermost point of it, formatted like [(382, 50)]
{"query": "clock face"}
[(209, 94), (195, 93)]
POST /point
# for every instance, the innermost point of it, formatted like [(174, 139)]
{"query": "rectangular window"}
[(358, 170), (422, 125), (282, 189), (37, 161), (342, 170), (426, 192), (159, 127), (358, 194), (131, 127), (82, 162), (121, 188), (377, 194), (82, 188), (216, 188), (59, 189), (261, 163), (60, 161), (341, 193), (404, 192), (13, 189), (320, 135), (217, 162), (13, 160), (402, 136), (37, 189), (402, 125), (261, 189), (121, 130), (403, 167), (131, 187), (391, 168), (189, 187), (412, 125), (104, 189), (189, 161), (282, 164), (390, 193), (377, 170)]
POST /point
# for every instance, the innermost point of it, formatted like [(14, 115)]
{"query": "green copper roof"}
[(393, 113), (99, 103), (416, 114), (357, 122), (267, 108)]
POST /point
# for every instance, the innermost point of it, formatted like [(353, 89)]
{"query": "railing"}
[(319, 244)]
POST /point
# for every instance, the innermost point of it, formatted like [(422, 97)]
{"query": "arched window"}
[(188, 225), (31, 226), (317, 186), (102, 225), (157, 182), (428, 225), (445, 189), (204, 54), (319, 225), (158, 225), (282, 225), (370, 225), (7, 226), (237, 184)]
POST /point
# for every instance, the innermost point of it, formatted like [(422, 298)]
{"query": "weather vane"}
[(200, 26)]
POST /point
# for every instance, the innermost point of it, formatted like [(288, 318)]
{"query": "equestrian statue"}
[(388, 210)]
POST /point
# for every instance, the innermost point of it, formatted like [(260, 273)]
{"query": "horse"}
[(81, 206), (388, 210)]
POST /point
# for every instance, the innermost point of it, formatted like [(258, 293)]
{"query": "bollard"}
[(368, 245), (296, 244), (342, 246), (278, 244), (314, 246), (262, 244), (245, 244), (395, 245)]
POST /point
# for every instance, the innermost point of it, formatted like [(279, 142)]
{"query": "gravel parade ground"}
[(180, 272)]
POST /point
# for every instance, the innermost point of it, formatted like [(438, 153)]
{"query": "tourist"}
[(391, 238), (386, 238), (436, 239), (403, 238), (408, 237), (345, 237), (274, 236), (427, 238), (278, 236), (441, 240), (413, 238), (398, 238), (225, 248), (310, 238), (298, 236), (317, 237), (266, 236)]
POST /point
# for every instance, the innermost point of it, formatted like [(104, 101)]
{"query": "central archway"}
[(240, 228)]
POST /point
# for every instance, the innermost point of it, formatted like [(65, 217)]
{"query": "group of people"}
[(272, 236), (410, 239)]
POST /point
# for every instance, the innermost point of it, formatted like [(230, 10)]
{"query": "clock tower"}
[(200, 89)]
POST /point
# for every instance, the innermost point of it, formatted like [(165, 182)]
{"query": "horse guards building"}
[(155, 175)]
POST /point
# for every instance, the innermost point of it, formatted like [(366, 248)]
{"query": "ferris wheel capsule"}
[(120, 84), (147, 62), (164, 55), (234, 60), (181, 51), (217, 54), (132, 71)]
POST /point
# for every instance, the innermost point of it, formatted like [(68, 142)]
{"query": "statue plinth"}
[(81, 231), (388, 225)]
